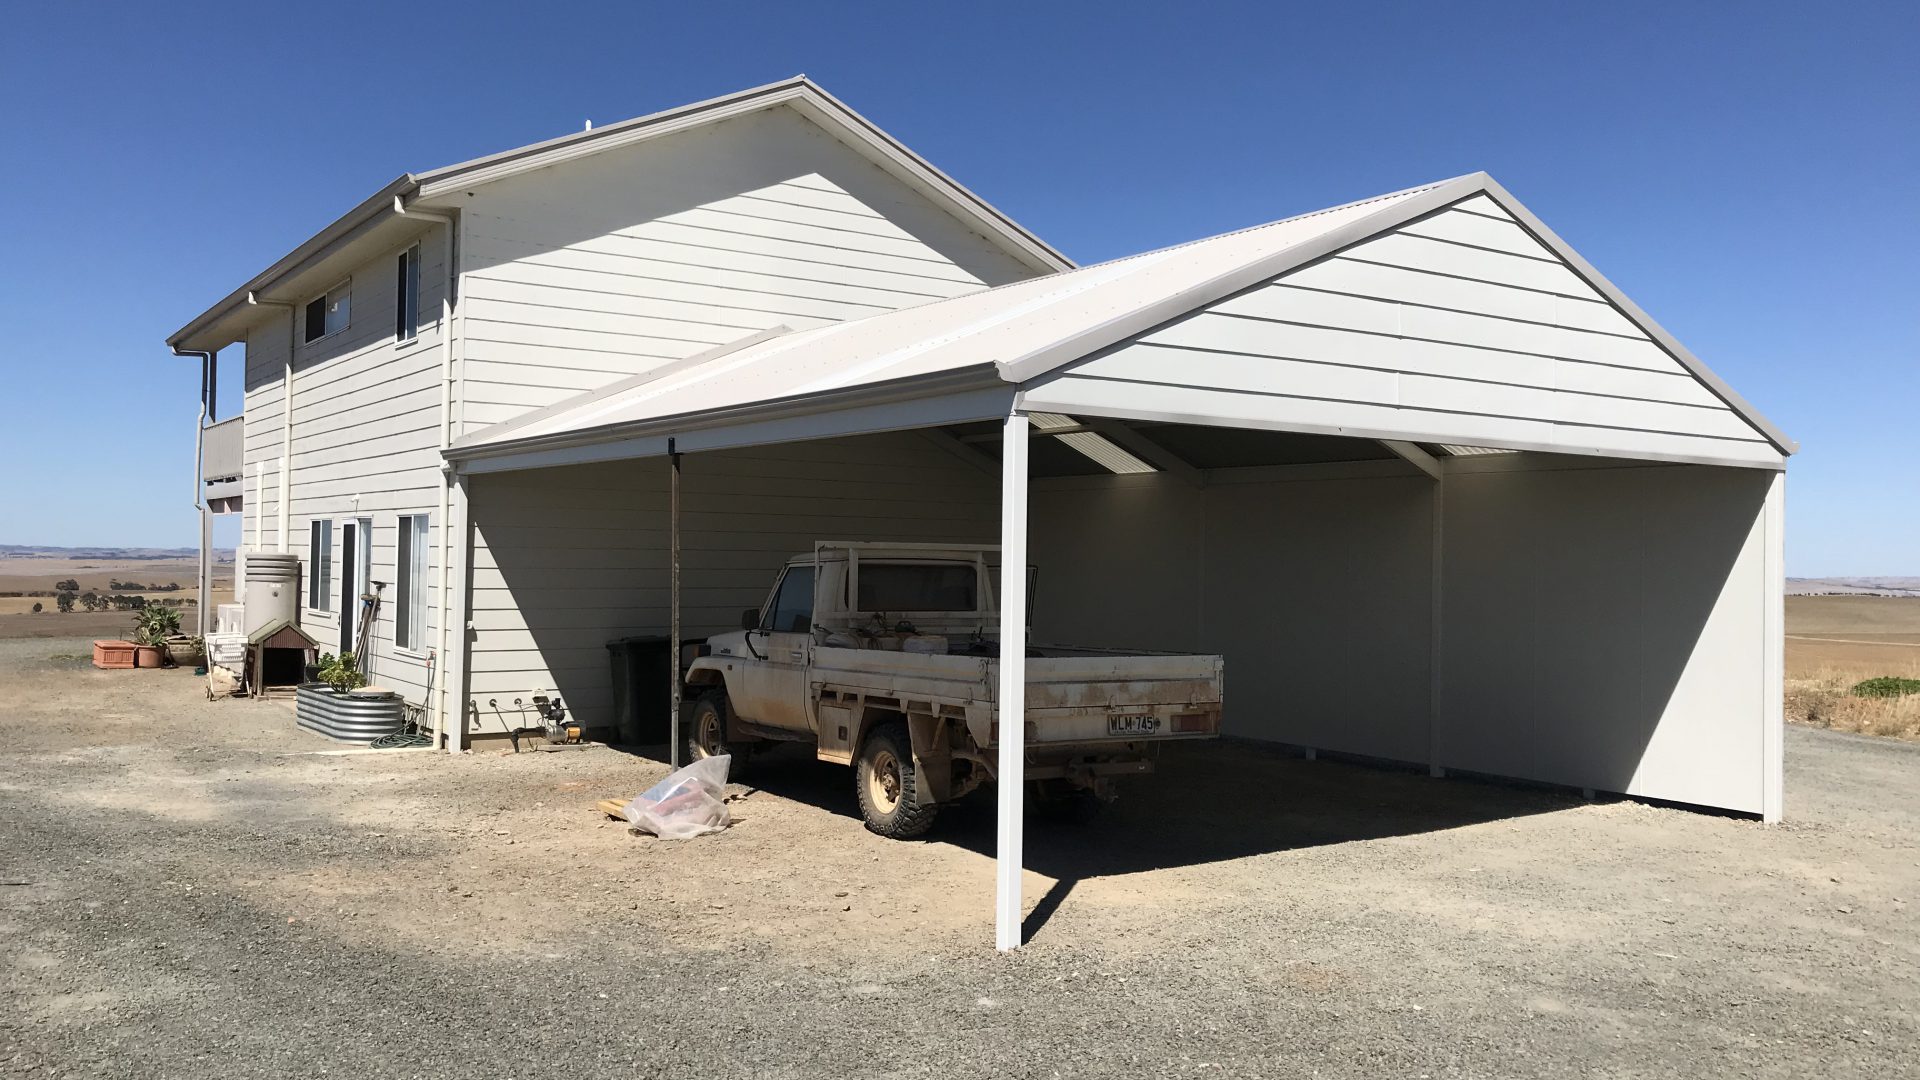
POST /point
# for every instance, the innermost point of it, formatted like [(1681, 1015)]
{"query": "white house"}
[(1438, 491)]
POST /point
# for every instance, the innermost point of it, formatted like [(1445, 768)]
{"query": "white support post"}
[(673, 638), (456, 606), (1012, 697), (1773, 665), (1437, 625)]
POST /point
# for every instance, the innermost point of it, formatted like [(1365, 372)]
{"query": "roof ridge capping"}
[(807, 96), (1401, 207)]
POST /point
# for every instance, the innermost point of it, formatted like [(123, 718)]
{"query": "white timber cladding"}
[(1458, 327), (600, 268), (366, 414), (1602, 626), (568, 559)]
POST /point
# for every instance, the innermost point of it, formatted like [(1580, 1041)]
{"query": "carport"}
[(1438, 490)]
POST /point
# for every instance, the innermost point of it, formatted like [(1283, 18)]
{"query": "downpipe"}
[(202, 583), (286, 410), (440, 713)]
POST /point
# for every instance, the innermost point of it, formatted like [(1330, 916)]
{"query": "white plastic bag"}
[(690, 802)]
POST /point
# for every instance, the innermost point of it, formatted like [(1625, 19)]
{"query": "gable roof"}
[(1015, 333), (214, 327)]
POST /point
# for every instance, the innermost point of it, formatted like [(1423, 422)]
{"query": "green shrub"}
[(341, 672), (1887, 686)]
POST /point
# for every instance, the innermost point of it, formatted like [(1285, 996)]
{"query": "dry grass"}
[(1834, 642), (1825, 699)]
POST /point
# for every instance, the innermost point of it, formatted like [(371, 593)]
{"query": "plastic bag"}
[(690, 802)]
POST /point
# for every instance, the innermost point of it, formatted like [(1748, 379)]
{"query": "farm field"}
[(1833, 643), (26, 575)]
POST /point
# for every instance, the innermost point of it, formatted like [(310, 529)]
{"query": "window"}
[(406, 296), (792, 603), (410, 599), (320, 567), (917, 587), (329, 314)]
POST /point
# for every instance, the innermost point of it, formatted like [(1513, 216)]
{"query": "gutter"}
[(438, 708), (976, 377)]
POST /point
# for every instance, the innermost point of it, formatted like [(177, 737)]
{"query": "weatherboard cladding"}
[(567, 559), (366, 411), (1458, 327), (577, 276)]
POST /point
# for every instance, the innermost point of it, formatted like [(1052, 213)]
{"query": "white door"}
[(772, 688)]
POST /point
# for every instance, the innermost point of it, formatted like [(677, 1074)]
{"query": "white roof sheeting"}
[(996, 337)]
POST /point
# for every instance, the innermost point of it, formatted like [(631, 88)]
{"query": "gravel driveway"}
[(197, 889)]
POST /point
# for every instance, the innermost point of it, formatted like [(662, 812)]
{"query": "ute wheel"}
[(883, 782), (709, 737)]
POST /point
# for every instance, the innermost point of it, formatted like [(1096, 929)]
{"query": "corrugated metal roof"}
[(1000, 326)]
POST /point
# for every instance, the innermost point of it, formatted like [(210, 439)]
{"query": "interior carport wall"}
[(1591, 622)]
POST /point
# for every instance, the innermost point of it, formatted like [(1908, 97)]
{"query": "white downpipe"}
[(1012, 698), (438, 709), (286, 411)]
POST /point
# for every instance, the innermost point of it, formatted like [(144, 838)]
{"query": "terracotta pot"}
[(147, 656), (113, 654)]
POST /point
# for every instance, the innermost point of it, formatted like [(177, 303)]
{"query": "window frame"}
[(320, 565), (413, 544), (306, 314), (406, 296), (767, 625)]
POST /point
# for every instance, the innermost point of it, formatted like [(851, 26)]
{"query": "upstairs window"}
[(406, 295), (329, 314), (320, 566)]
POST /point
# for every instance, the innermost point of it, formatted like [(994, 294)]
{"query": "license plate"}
[(1132, 724)]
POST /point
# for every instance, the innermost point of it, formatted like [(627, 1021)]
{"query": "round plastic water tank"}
[(272, 588)]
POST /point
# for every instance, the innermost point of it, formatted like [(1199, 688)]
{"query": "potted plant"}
[(152, 626), (340, 706), (341, 673)]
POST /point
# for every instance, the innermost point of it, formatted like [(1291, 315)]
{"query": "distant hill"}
[(1854, 586), (36, 551)]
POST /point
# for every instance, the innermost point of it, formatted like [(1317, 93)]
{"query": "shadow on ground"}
[(1204, 803)]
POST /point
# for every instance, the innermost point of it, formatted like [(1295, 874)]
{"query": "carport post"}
[(1011, 716), (673, 634)]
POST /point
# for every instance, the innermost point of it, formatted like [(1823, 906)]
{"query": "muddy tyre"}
[(883, 781), (709, 735)]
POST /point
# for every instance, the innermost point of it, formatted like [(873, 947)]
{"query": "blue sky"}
[(1747, 172)]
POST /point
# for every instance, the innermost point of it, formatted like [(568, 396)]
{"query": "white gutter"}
[(286, 411), (438, 708)]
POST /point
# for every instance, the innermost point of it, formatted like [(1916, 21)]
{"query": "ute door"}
[(772, 689)]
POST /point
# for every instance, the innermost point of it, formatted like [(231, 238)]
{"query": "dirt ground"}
[(196, 888)]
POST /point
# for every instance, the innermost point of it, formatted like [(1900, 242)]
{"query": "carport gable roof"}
[(1008, 335)]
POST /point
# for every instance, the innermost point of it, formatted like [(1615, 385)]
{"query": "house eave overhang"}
[(213, 328)]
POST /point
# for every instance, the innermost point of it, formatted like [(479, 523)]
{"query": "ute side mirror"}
[(750, 619)]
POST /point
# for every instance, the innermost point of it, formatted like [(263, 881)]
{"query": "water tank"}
[(272, 588)]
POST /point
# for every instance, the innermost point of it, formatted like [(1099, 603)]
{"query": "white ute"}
[(884, 657)]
